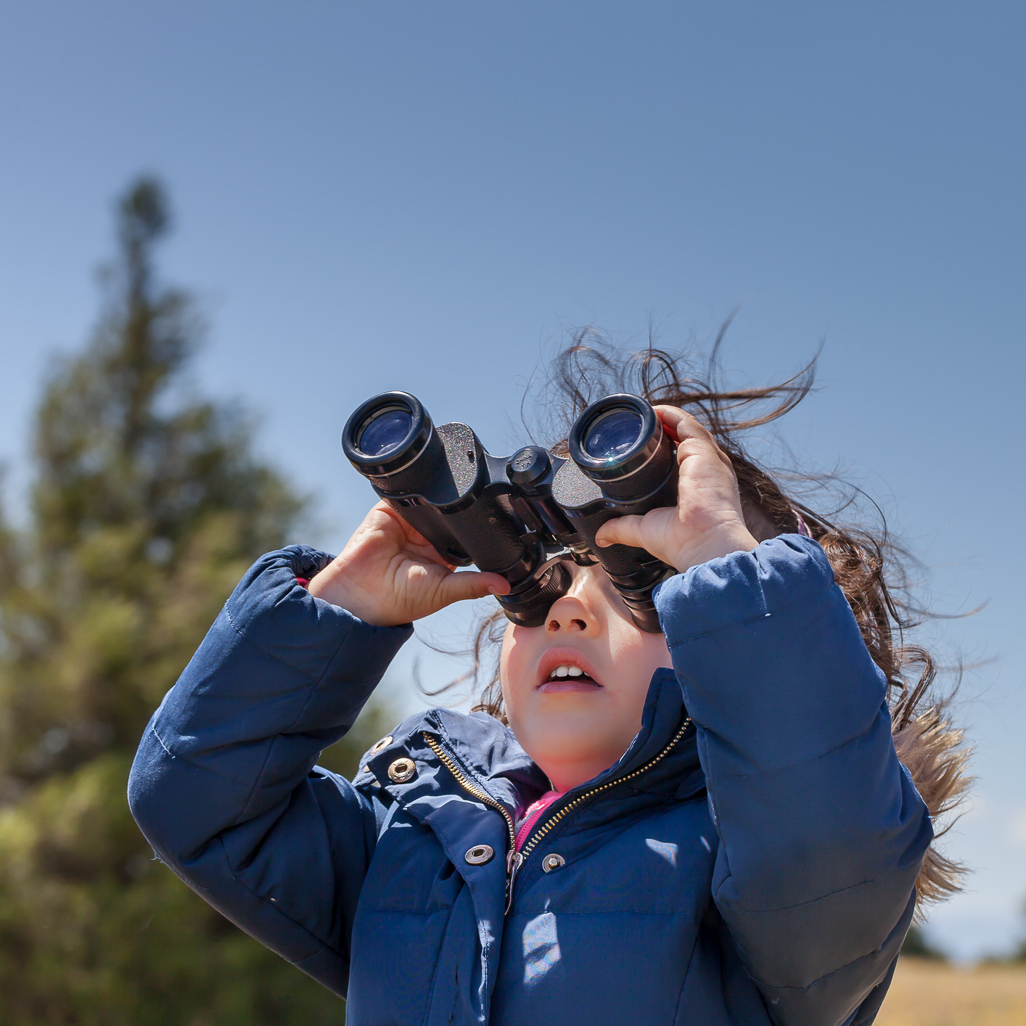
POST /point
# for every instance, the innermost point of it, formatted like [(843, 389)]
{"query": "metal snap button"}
[(402, 770), (553, 861), (383, 743), (479, 854)]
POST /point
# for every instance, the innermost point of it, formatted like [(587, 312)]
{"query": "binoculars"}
[(524, 516)]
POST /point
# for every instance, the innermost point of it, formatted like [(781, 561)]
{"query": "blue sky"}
[(427, 195)]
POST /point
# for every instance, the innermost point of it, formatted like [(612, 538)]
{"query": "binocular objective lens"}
[(613, 435), (387, 431)]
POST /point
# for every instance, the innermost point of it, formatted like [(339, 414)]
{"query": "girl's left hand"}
[(707, 521)]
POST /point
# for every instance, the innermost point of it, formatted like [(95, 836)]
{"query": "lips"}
[(565, 669)]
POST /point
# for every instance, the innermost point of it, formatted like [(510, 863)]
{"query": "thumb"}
[(620, 531), (470, 584)]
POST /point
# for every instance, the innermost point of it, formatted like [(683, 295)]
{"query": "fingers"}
[(620, 531), (409, 532), (681, 425), (470, 584), (410, 538), (686, 428), (671, 416)]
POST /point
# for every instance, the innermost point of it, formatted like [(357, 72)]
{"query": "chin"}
[(567, 736)]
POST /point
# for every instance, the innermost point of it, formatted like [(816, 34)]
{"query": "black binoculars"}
[(524, 516)]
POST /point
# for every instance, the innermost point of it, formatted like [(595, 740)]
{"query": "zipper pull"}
[(514, 860)]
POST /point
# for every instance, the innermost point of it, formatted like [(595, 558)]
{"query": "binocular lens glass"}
[(387, 431), (613, 434)]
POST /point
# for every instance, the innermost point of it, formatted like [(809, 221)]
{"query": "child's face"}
[(575, 726)]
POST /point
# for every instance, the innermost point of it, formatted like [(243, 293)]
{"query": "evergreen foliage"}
[(1019, 953), (918, 945), (147, 508)]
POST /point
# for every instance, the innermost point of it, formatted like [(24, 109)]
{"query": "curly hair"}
[(870, 568)]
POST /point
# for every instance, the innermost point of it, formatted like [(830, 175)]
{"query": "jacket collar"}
[(492, 753)]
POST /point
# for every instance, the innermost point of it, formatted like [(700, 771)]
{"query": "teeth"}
[(566, 671)]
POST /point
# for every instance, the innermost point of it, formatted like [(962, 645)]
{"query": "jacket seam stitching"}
[(270, 748), (825, 976), (793, 600), (428, 1005), (722, 627), (800, 762), (287, 564), (153, 731), (692, 914), (801, 904), (280, 911), (687, 976), (320, 680), (469, 766), (231, 620)]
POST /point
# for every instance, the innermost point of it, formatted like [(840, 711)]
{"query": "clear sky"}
[(426, 195)]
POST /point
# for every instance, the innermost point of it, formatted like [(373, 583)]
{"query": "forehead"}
[(591, 577), (593, 584)]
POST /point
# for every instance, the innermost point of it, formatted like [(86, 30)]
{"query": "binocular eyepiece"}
[(524, 516)]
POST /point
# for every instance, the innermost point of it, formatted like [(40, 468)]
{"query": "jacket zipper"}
[(530, 843), (515, 859)]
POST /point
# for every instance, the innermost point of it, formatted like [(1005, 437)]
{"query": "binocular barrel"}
[(523, 516)]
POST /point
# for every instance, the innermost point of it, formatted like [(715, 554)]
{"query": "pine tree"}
[(918, 945), (148, 506)]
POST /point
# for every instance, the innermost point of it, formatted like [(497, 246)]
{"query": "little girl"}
[(706, 826)]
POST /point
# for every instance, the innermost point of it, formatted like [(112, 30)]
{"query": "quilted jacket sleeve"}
[(224, 785), (821, 829)]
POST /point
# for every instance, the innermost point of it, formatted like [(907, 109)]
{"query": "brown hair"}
[(870, 568)]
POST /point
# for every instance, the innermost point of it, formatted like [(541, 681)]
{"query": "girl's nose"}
[(573, 612), (571, 624)]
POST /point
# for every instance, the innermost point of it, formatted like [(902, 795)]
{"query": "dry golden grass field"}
[(933, 994)]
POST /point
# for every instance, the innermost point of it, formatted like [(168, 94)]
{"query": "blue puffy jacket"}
[(755, 867)]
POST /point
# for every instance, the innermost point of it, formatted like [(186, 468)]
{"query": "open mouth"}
[(570, 673), (564, 673)]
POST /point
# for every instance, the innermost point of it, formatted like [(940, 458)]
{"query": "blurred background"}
[(225, 225)]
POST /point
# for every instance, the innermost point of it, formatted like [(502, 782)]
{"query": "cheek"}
[(636, 652), (512, 660), (522, 648)]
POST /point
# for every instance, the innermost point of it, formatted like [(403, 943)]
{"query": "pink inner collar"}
[(532, 813)]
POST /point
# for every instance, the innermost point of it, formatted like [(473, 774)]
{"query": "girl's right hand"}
[(389, 574)]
